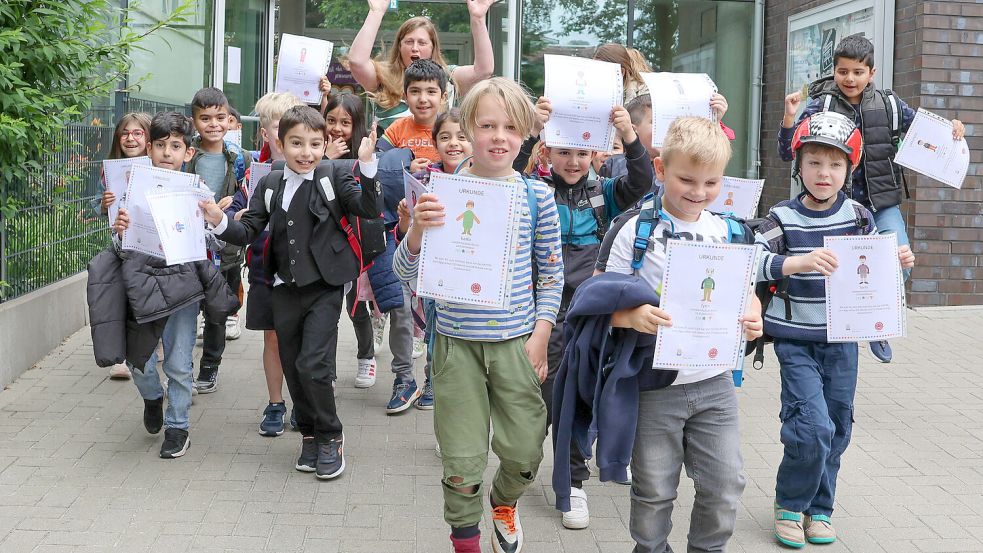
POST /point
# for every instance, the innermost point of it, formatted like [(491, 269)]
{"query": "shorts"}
[(259, 307)]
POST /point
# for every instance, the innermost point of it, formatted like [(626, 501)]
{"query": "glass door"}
[(244, 77)]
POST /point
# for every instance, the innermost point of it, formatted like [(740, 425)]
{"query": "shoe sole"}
[(305, 468), (424, 407), (334, 474), (409, 403), (120, 376), (789, 543), (187, 445), (364, 384), (498, 549), (575, 524), (211, 390), (820, 541), (270, 434)]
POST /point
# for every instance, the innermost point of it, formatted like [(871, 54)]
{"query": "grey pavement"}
[(78, 472)]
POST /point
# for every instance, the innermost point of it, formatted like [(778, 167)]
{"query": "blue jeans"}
[(819, 382), (179, 344), (890, 220), (693, 425)]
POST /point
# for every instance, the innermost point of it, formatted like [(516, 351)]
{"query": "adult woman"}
[(416, 39)]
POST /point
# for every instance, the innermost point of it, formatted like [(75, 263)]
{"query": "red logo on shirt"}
[(475, 288), (878, 326), (712, 353)]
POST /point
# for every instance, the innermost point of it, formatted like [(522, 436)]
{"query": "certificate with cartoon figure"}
[(142, 234), (929, 149), (738, 196), (117, 175), (300, 64), (468, 259), (180, 225), (676, 95), (865, 296), (257, 171), (705, 289), (583, 93)]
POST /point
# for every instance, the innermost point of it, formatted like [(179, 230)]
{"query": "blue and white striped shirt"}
[(484, 324)]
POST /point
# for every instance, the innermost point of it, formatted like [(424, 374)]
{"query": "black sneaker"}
[(331, 459), (176, 443), (307, 462), (207, 381), (153, 414)]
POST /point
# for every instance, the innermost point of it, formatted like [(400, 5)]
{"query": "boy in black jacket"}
[(309, 254)]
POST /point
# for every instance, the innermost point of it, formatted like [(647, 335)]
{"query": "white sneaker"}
[(578, 517), (366, 373), (379, 330), (232, 330), (507, 537), (419, 348), (120, 371), (627, 480)]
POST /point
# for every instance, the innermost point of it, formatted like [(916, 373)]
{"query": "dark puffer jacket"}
[(130, 298)]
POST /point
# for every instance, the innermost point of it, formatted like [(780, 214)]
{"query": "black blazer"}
[(328, 242)]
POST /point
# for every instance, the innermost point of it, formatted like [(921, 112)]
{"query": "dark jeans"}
[(819, 382), (213, 340), (306, 323), (362, 323)]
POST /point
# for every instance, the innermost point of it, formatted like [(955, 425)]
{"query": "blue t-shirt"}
[(211, 168)]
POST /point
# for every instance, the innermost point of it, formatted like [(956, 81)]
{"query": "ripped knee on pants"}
[(524, 469), (464, 475)]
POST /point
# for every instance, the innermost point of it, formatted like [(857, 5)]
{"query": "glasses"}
[(136, 133)]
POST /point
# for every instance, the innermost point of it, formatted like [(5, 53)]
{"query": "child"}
[(425, 88), (311, 263), (129, 140), (499, 355), (819, 379), (877, 180), (222, 166), (170, 148), (453, 147), (692, 422), (235, 119)]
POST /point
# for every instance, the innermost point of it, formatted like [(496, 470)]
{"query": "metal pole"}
[(757, 76), (631, 24), (3, 234)]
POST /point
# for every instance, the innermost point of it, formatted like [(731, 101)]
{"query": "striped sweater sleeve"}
[(548, 255), (771, 237), (405, 264)]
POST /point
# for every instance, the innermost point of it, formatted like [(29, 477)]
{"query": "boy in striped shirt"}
[(819, 379)]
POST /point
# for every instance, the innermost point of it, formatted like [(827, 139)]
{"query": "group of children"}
[(489, 371)]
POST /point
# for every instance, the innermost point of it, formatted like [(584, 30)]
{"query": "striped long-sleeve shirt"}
[(793, 229), (526, 306)]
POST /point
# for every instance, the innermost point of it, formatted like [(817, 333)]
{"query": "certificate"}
[(256, 173), (865, 295), (117, 175), (676, 95), (412, 189), (468, 259), (928, 148), (705, 288), (738, 196), (234, 136), (583, 93), (180, 225), (142, 235), (301, 63)]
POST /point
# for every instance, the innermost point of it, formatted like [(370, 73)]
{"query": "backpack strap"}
[(893, 105), (595, 195), (645, 225), (533, 203), (827, 101), (273, 201), (322, 178)]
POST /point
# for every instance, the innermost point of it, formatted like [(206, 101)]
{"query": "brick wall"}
[(938, 65)]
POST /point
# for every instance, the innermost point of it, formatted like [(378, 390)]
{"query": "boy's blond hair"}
[(701, 140), (518, 107), (272, 106)]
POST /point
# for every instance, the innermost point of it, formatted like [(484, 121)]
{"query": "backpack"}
[(595, 195)]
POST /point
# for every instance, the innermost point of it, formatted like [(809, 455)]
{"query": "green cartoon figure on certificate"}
[(708, 285), (468, 219)]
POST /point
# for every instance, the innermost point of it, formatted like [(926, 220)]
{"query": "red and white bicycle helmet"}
[(832, 129)]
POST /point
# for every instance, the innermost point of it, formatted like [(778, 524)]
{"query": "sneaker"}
[(331, 459), (201, 328), (379, 330), (881, 350), (419, 348), (207, 382), (467, 545), (119, 371), (819, 529), (365, 378), (293, 419), (272, 424), (232, 329), (578, 517), (436, 451), (405, 392), (508, 530), (176, 443), (627, 480), (153, 415), (307, 462), (788, 528), (426, 397)]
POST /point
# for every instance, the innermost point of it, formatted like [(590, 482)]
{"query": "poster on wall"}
[(811, 47)]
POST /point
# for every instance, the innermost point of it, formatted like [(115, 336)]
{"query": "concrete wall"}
[(33, 325)]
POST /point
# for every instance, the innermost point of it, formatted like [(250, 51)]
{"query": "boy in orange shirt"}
[(425, 89)]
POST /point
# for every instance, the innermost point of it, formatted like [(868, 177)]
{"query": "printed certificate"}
[(142, 234), (180, 224), (412, 189), (865, 295), (468, 259), (928, 148), (738, 196), (583, 93), (234, 136), (117, 175), (301, 63), (676, 95), (256, 173), (706, 288)]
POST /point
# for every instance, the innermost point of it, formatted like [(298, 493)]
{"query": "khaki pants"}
[(474, 383)]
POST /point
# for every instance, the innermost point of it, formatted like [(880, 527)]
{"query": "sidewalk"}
[(78, 472)]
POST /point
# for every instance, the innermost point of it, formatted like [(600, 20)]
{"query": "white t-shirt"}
[(709, 228)]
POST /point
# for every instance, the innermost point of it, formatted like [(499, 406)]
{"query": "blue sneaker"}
[(405, 392), (881, 350), (272, 423), (426, 397)]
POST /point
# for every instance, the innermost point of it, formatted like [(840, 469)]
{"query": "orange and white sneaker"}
[(507, 537)]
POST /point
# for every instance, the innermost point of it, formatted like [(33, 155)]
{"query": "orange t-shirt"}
[(405, 133)]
